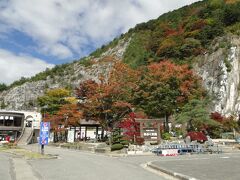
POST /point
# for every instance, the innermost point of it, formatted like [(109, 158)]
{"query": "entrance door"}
[(29, 124)]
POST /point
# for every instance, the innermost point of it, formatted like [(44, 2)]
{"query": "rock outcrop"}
[(220, 71), (24, 97)]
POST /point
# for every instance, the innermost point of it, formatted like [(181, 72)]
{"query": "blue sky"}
[(37, 34)]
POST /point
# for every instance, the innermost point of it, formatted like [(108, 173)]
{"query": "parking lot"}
[(203, 166)]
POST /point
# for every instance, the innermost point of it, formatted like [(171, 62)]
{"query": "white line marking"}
[(225, 157)]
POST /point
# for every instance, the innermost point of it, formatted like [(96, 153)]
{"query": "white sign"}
[(70, 136)]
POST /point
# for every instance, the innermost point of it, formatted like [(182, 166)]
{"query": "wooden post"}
[(102, 133), (96, 133), (74, 139), (141, 129), (80, 133), (159, 132), (85, 138)]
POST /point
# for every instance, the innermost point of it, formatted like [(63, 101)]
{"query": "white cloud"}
[(13, 66), (64, 27)]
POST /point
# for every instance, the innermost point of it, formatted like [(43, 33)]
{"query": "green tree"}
[(53, 100), (3, 105), (232, 13), (195, 115), (3, 87)]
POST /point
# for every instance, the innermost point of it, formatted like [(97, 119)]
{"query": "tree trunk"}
[(166, 126), (190, 126)]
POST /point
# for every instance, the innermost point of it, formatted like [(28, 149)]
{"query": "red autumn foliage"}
[(199, 24), (131, 129), (68, 115), (107, 101), (197, 136), (217, 117), (227, 123), (130, 126), (188, 81), (173, 32), (86, 89)]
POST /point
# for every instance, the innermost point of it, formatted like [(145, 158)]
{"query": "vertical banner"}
[(44, 133)]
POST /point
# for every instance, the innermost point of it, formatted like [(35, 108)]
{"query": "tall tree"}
[(67, 115), (165, 87), (108, 101), (53, 99), (195, 115)]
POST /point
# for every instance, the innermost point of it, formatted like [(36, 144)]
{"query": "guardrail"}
[(180, 149)]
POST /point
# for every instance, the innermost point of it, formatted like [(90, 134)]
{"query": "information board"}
[(150, 134), (44, 133)]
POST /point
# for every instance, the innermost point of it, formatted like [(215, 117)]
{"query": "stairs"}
[(26, 137)]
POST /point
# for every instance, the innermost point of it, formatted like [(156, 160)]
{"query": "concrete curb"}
[(171, 173), (19, 155)]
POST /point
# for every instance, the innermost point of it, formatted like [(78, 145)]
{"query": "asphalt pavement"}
[(74, 164), (71, 165), (6, 170), (202, 167)]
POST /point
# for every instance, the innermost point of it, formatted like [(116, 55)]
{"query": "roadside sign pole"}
[(44, 135), (42, 149)]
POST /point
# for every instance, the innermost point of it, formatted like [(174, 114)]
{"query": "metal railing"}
[(188, 148)]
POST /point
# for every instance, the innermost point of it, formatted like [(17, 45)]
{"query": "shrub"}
[(3, 87), (227, 135), (166, 136), (124, 142), (115, 147), (235, 29), (86, 62), (231, 14), (197, 136), (139, 140)]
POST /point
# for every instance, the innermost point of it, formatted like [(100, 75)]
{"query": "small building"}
[(90, 130), (13, 124)]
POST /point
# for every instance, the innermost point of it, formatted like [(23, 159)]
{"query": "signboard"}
[(71, 136), (150, 134), (44, 133)]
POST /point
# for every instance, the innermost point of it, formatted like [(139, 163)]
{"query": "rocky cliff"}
[(219, 69), (204, 34), (24, 97), (220, 72)]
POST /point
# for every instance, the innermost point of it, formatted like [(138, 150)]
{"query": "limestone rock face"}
[(220, 72), (219, 69), (24, 97)]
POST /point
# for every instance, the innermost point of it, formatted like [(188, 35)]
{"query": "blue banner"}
[(44, 133)]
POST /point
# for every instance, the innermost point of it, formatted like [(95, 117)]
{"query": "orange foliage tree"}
[(67, 116), (108, 101), (165, 87)]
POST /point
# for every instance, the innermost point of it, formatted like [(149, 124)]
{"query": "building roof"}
[(89, 122)]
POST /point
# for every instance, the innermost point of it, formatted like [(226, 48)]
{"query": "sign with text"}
[(150, 133), (44, 133)]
